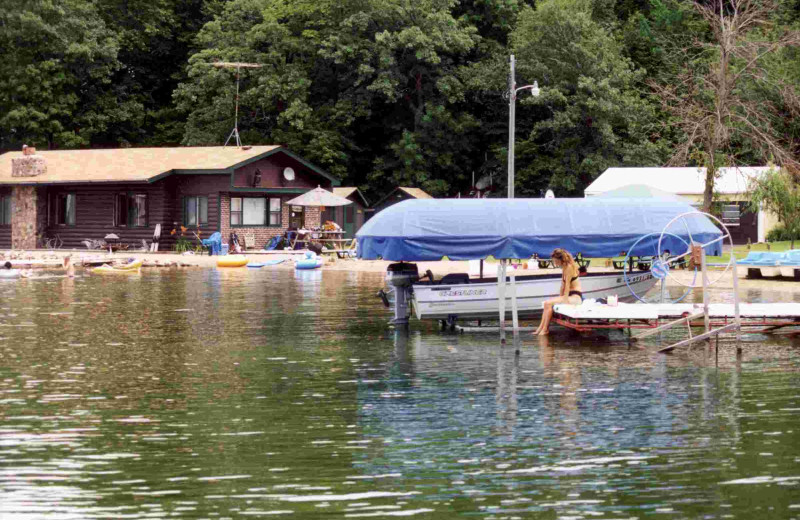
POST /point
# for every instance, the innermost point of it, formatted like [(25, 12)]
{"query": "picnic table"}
[(342, 247)]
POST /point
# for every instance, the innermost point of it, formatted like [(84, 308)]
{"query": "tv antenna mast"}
[(238, 66)]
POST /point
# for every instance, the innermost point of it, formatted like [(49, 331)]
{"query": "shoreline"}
[(82, 258)]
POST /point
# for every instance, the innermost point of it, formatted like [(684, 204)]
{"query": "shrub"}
[(781, 234)]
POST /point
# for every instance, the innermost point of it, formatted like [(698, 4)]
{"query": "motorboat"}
[(462, 297), (504, 229)]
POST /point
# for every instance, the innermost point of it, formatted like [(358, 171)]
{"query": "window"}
[(274, 212), (65, 209), (195, 211), (5, 210), (130, 210), (731, 215), (255, 211)]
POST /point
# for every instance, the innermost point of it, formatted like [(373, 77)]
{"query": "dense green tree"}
[(590, 115), (777, 191), (720, 98), (369, 85), (156, 37), (56, 63)]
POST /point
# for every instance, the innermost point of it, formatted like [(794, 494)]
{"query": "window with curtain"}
[(130, 210), (195, 211), (65, 209), (255, 211)]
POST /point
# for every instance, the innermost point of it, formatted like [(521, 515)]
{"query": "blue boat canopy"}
[(468, 229)]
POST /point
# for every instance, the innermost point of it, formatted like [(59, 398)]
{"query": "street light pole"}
[(512, 102), (512, 106)]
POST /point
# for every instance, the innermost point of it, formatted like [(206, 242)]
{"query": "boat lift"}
[(724, 318)]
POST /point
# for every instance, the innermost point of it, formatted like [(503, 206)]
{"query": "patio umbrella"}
[(319, 197)]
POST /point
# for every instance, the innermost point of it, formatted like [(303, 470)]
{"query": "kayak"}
[(232, 261), (133, 267), (264, 264)]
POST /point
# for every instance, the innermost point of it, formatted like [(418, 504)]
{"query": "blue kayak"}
[(264, 264)]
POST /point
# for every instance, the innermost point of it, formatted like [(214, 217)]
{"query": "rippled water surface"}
[(246, 393)]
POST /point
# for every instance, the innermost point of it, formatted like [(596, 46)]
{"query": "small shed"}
[(689, 182), (351, 217), (398, 194)]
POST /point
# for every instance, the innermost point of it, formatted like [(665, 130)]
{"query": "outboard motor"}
[(401, 276)]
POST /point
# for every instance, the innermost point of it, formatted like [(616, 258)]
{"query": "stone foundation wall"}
[(25, 219)]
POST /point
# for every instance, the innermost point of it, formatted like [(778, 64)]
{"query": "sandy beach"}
[(53, 259)]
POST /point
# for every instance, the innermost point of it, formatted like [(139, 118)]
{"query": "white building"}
[(731, 187)]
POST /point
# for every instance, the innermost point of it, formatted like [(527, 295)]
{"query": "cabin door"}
[(296, 217), (349, 221)]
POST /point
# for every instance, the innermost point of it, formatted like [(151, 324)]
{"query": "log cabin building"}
[(88, 194)]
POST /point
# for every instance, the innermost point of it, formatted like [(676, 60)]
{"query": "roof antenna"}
[(235, 65)]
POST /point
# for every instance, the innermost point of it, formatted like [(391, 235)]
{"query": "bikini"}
[(575, 293)]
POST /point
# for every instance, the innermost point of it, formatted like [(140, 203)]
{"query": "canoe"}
[(232, 261), (133, 267)]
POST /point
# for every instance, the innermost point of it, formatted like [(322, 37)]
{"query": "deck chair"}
[(213, 243), (248, 241)]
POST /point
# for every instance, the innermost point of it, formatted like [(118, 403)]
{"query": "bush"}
[(781, 234)]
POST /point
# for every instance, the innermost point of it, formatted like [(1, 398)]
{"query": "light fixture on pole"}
[(235, 65), (512, 101)]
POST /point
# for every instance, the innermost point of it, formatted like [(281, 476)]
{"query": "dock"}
[(586, 318)]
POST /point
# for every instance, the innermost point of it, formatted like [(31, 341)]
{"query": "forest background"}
[(385, 93)]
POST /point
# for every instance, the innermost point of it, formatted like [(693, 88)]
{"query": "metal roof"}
[(681, 181)]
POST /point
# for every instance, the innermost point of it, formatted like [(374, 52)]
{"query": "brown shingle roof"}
[(344, 192), (128, 164), (348, 190), (416, 193)]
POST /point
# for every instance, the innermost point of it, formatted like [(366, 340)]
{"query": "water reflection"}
[(232, 393)]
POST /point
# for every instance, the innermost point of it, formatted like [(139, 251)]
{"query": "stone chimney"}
[(29, 165)]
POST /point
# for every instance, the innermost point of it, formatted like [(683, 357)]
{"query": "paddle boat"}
[(132, 267), (310, 261), (770, 264), (472, 229), (232, 261)]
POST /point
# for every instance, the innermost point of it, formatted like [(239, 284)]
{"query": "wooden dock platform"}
[(649, 316)]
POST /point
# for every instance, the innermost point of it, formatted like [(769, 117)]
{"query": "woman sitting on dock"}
[(570, 288)]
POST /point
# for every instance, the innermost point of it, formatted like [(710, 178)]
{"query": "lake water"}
[(255, 393)]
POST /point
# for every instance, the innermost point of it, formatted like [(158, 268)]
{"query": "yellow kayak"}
[(130, 268), (232, 261)]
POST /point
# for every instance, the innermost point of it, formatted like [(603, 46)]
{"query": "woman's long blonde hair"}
[(563, 256)]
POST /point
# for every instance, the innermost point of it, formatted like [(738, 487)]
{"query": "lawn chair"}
[(213, 243), (273, 243)]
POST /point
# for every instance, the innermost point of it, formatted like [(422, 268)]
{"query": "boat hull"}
[(478, 299)]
